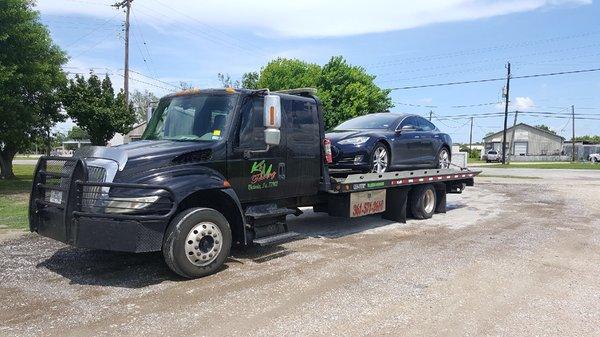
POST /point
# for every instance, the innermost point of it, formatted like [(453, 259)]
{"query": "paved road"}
[(513, 256)]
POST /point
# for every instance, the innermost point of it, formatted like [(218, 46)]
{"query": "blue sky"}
[(404, 43)]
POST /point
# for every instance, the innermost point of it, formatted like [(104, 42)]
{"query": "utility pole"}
[(127, 5), (512, 137), (430, 114), (573, 122), (471, 138), (505, 113)]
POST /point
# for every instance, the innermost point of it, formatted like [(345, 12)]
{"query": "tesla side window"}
[(410, 121), (426, 125)]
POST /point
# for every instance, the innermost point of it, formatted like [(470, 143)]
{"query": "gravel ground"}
[(512, 256)]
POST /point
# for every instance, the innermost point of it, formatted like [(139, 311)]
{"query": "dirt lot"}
[(513, 256)]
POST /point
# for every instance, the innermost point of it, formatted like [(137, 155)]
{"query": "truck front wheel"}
[(197, 242), (423, 201)]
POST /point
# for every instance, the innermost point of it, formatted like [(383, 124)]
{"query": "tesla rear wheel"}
[(443, 159), (380, 159)]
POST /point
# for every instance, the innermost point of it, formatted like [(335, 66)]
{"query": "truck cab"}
[(242, 158)]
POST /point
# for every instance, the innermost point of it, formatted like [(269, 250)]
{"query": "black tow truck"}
[(216, 168)]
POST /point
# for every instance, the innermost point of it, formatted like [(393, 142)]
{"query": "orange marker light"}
[(272, 115)]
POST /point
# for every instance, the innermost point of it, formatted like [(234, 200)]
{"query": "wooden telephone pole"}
[(127, 5), (505, 113), (573, 122), (471, 138)]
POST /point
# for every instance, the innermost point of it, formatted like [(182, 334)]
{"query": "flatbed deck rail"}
[(373, 181)]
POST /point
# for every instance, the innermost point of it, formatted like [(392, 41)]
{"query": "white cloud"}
[(307, 18), (523, 104)]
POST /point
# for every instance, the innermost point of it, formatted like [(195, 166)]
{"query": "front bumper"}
[(351, 157), (67, 207)]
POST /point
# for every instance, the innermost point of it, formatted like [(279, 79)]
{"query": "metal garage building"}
[(525, 140)]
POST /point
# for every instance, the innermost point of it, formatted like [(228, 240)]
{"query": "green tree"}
[(281, 74), (250, 80), (30, 79), (588, 139), (346, 91), (141, 101), (227, 82), (77, 133), (93, 105), (545, 128), (349, 91)]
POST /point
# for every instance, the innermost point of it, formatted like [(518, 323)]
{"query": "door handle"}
[(281, 171), (417, 137)]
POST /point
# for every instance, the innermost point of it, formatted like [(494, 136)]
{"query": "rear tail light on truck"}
[(327, 146)]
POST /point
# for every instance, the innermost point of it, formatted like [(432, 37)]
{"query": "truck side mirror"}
[(272, 119)]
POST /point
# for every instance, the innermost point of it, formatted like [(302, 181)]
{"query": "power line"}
[(155, 79), (494, 79)]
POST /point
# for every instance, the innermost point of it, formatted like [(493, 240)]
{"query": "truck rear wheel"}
[(423, 201), (197, 242)]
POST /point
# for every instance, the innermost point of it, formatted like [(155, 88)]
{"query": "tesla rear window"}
[(379, 121)]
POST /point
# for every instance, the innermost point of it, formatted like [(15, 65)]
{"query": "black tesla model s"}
[(382, 142)]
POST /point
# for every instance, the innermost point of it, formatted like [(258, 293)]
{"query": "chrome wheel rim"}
[(203, 244), (429, 201), (380, 160), (444, 160)]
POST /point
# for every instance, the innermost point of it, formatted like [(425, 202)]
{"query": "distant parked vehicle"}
[(594, 157), (492, 155)]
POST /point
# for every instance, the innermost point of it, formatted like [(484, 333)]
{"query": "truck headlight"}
[(126, 205), (354, 141)]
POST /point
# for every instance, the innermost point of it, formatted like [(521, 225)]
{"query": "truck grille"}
[(92, 193)]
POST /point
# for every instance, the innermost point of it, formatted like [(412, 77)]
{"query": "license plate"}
[(55, 197), (368, 202)]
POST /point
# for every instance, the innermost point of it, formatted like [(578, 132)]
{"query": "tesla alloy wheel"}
[(443, 158), (380, 159)]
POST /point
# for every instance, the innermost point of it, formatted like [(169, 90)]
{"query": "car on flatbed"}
[(216, 168), (384, 142)]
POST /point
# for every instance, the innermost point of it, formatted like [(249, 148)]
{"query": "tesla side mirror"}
[(408, 128)]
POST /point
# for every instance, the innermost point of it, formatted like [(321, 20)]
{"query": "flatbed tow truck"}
[(216, 168)]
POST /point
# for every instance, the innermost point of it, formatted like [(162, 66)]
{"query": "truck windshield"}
[(201, 117)]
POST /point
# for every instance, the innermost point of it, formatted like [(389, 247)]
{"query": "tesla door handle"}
[(281, 171)]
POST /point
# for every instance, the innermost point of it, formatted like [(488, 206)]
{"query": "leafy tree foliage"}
[(92, 104), (349, 91), (588, 139), (545, 128), (30, 79), (346, 91), (78, 133), (141, 101), (227, 82)]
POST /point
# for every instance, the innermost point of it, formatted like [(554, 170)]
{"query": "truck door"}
[(256, 174), (301, 128)]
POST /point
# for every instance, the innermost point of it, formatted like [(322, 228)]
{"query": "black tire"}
[(174, 242), (438, 163), (379, 146), (420, 201)]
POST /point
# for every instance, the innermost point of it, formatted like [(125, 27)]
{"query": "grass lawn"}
[(475, 161), (562, 165), (14, 198)]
